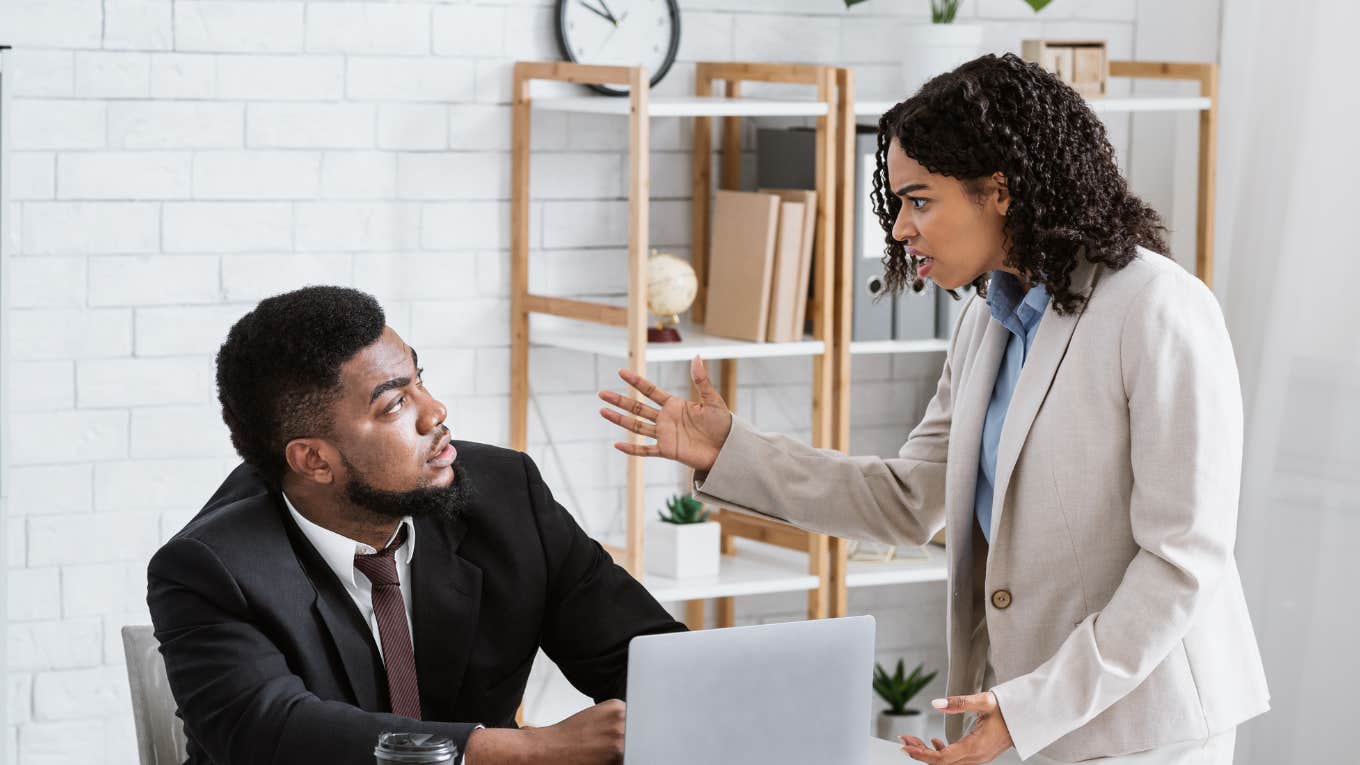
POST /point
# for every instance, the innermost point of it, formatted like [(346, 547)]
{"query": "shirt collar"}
[(1007, 300), (339, 550)]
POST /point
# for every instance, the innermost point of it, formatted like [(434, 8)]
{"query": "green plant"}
[(897, 690), (683, 510), (943, 11)]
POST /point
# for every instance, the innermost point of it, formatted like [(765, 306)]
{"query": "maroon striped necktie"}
[(398, 655)]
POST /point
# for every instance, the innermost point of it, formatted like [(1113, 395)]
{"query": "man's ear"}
[(307, 458), (1001, 192)]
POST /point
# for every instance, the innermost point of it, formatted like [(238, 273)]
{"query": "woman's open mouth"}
[(924, 265)]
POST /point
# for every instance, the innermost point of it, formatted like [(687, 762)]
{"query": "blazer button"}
[(1001, 599)]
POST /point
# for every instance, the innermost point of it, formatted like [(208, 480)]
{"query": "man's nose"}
[(433, 415)]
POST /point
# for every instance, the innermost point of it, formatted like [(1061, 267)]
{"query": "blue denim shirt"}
[(1020, 313)]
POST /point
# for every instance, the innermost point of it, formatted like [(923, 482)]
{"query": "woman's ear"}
[(1001, 193)]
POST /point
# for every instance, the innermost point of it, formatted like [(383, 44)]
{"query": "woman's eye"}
[(916, 202)]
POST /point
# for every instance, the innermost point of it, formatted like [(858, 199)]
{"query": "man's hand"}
[(689, 432), (592, 736), (984, 743)]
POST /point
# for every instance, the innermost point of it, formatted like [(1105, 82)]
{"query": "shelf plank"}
[(557, 332), (755, 569), (876, 347), (899, 570), (1104, 104), (685, 106)]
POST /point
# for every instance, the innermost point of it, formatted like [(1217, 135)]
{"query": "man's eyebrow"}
[(396, 382), (905, 190)]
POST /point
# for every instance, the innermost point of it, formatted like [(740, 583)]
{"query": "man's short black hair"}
[(278, 373)]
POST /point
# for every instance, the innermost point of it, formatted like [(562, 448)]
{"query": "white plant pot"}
[(682, 550), (931, 49), (891, 726)]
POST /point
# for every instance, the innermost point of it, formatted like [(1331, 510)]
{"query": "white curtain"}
[(1289, 279)]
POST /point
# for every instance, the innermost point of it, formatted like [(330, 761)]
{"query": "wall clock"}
[(620, 33)]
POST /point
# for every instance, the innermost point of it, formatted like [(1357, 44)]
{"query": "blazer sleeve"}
[(594, 607), (239, 700), (1185, 431), (895, 501)]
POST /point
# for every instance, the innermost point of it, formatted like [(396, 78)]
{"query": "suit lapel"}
[(1036, 377), (352, 637), (970, 410), (447, 590)]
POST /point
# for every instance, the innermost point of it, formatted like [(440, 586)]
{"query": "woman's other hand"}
[(689, 432), (988, 738)]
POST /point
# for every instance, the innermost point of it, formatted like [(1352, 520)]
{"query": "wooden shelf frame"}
[(632, 318), (1206, 104)]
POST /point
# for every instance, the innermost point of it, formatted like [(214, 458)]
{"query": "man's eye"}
[(396, 405)]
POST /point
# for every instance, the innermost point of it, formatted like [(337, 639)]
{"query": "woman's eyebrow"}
[(910, 188)]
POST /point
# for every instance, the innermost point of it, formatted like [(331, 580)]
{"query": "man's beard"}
[(441, 503)]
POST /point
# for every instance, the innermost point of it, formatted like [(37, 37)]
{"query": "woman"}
[(1083, 447)]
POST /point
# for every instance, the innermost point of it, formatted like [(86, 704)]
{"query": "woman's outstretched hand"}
[(689, 432)]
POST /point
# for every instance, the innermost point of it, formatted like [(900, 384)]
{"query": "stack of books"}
[(760, 263)]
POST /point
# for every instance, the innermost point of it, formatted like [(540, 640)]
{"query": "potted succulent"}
[(682, 542), (898, 691), (941, 45)]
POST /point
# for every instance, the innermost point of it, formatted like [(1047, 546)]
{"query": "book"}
[(741, 264), (808, 241), (788, 256)]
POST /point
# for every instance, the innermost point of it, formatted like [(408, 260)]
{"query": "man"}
[(363, 572)]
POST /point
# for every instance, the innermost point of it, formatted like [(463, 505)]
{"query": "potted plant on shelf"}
[(941, 45), (898, 691), (683, 542)]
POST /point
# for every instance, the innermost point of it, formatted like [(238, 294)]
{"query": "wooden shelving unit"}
[(843, 573), (619, 331), (760, 555)]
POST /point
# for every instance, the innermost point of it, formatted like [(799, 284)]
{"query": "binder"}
[(809, 239), (788, 258), (872, 317)]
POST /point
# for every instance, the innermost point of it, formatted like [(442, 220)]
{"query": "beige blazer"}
[(1109, 601)]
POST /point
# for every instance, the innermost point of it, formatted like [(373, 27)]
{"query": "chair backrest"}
[(160, 733)]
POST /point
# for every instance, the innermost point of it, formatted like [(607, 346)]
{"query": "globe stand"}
[(663, 335)]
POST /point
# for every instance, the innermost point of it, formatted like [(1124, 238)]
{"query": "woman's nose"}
[(903, 228)]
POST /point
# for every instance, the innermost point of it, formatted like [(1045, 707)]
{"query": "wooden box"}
[(1083, 64)]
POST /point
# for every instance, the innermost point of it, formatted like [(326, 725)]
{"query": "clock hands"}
[(604, 14), (605, 6)]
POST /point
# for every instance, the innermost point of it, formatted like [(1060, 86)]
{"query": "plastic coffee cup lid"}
[(415, 748)]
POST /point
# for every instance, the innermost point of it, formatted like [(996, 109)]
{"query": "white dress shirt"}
[(338, 551)]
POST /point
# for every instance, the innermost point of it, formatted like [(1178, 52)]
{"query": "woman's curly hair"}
[(1068, 198)]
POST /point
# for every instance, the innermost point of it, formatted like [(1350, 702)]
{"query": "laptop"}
[(796, 692)]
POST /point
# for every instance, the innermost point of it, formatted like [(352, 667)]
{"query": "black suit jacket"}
[(270, 662)]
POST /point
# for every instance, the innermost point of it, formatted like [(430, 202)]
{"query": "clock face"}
[(620, 33)]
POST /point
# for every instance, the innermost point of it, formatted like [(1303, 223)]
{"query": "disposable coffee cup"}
[(417, 748)]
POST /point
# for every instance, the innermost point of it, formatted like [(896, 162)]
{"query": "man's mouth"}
[(446, 454)]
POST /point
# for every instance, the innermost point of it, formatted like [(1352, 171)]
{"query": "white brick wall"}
[(175, 161)]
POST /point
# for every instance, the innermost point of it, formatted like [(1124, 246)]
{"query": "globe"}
[(671, 286)]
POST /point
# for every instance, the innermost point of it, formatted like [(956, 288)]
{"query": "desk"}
[(890, 753)]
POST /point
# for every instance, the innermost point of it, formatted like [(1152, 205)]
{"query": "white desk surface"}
[(887, 753)]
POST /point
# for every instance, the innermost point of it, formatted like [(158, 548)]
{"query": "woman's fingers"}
[(631, 405), (644, 386), (699, 374), (639, 426), (638, 450)]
